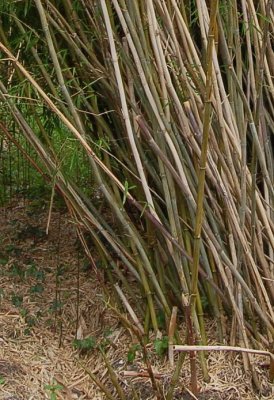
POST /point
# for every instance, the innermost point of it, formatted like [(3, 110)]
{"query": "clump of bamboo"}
[(173, 107)]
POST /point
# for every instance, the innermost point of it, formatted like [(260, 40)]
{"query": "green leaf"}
[(53, 389), (24, 312), (56, 305), (27, 332), (17, 300), (32, 270), (31, 321), (131, 355), (85, 344), (161, 345), (3, 261), (38, 288), (161, 319), (126, 191), (17, 270), (40, 275)]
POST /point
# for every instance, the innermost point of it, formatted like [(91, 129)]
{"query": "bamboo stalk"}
[(221, 348), (204, 146)]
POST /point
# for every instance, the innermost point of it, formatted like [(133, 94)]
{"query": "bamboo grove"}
[(171, 104)]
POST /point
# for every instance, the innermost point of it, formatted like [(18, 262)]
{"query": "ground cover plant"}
[(154, 122)]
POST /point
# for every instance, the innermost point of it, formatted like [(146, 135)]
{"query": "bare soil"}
[(49, 296)]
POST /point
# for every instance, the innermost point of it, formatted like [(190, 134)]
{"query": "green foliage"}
[(31, 270), (161, 346), (161, 319), (35, 273), (17, 270), (13, 250), (3, 260), (56, 305), (38, 288), (40, 275), (27, 332), (126, 191), (31, 232), (205, 303), (2, 380), (61, 269), (20, 271), (86, 344), (53, 390), (30, 320), (17, 300), (132, 352), (23, 312)]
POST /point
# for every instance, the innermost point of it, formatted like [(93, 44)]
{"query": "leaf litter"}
[(42, 279)]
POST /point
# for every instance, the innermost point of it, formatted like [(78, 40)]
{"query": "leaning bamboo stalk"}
[(97, 381), (125, 109), (56, 63), (97, 160), (130, 309), (203, 160), (113, 377), (71, 127), (152, 101)]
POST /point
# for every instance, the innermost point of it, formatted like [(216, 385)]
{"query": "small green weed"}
[(13, 250), (53, 389), (17, 271), (131, 355), (66, 294), (27, 332), (31, 270), (24, 312), (3, 260), (30, 321), (86, 344), (61, 270), (38, 288), (35, 273), (17, 300), (40, 275), (10, 248), (161, 345), (55, 305)]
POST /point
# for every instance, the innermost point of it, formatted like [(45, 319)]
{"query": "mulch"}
[(48, 298)]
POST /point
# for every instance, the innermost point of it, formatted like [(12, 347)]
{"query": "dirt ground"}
[(49, 296)]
